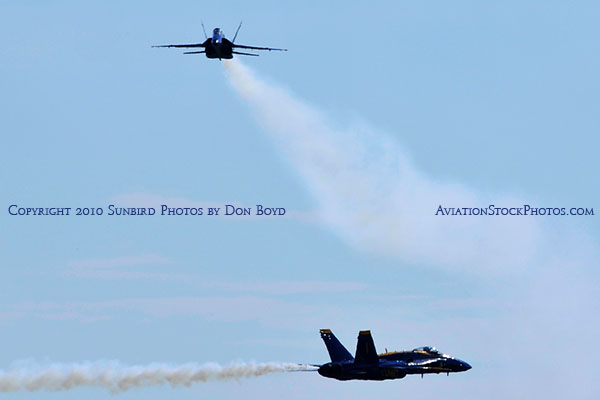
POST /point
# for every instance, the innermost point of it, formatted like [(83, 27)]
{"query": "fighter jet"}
[(367, 365), (219, 47)]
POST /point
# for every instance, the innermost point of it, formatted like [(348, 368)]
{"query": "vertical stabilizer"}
[(336, 350), (365, 349)]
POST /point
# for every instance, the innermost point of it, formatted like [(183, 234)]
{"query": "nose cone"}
[(463, 366)]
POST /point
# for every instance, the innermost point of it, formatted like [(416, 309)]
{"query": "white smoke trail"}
[(371, 195), (117, 377)]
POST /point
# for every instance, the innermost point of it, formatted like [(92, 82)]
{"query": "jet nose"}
[(464, 366)]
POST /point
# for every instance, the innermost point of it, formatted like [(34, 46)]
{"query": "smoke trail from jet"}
[(369, 192), (117, 377)]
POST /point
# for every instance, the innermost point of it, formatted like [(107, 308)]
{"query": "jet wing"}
[(365, 349), (241, 46), (185, 46)]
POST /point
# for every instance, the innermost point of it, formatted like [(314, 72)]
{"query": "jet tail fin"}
[(365, 349), (204, 30), (336, 350), (236, 32)]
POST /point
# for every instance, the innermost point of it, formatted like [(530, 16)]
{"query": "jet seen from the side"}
[(368, 365)]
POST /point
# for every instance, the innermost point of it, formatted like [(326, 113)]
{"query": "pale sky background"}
[(490, 102)]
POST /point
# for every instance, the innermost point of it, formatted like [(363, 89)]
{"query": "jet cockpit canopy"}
[(429, 349)]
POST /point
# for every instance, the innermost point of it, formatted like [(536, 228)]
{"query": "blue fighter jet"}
[(219, 47), (369, 366)]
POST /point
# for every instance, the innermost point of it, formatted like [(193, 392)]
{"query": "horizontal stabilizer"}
[(244, 54)]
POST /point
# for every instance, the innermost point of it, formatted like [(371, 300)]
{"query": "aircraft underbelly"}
[(375, 374)]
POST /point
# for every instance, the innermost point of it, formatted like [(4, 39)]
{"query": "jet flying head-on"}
[(219, 47)]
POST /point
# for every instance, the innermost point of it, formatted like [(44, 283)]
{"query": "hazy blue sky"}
[(378, 113)]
